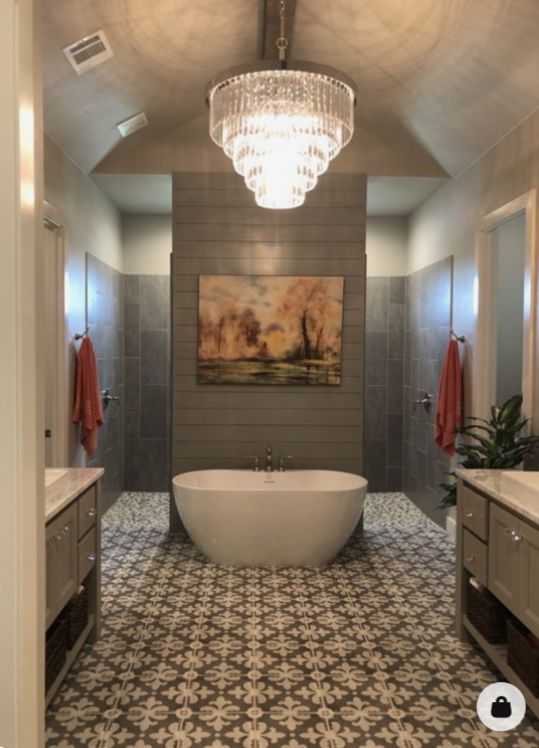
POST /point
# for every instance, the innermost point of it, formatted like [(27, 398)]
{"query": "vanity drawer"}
[(87, 511), (475, 556), (87, 555), (474, 512)]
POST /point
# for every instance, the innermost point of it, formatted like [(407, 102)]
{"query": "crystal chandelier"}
[(281, 123)]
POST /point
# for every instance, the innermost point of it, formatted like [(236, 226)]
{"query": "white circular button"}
[(501, 706)]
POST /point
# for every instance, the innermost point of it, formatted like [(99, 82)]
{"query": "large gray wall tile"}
[(104, 290), (376, 358), (154, 411), (428, 322), (376, 317), (154, 357), (384, 365), (154, 290)]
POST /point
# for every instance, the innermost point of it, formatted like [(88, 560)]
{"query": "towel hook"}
[(460, 338), (81, 335)]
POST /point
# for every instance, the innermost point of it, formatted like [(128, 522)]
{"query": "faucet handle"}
[(256, 465), (282, 461)]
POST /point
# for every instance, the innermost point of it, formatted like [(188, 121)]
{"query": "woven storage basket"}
[(76, 616), (55, 652), (523, 656), (487, 614)]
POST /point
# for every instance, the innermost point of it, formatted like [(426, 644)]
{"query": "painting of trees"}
[(270, 329)]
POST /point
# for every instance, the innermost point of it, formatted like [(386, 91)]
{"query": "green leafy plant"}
[(494, 444)]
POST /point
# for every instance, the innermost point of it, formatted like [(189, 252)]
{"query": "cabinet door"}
[(63, 558), (504, 553), (51, 592), (529, 576)]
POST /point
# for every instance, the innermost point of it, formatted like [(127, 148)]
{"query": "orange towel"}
[(88, 410), (449, 406)]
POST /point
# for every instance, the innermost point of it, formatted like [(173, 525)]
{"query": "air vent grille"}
[(88, 52)]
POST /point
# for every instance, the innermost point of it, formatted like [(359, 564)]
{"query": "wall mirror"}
[(506, 347), (53, 336)]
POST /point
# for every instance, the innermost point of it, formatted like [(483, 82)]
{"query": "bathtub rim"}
[(361, 486)]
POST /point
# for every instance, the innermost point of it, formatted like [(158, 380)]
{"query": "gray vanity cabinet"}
[(498, 546), (62, 561), (529, 577), (504, 557), (514, 565), (72, 537)]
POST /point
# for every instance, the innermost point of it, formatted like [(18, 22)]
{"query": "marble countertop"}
[(489, 482), (62, 492)]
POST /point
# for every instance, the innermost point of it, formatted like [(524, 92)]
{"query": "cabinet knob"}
[(517, 537), (470, 557), (59, 536), (91, 512), (66, 529), (469, 515), (91, 557)]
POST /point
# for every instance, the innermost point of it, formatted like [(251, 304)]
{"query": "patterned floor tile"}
[(360, 653)]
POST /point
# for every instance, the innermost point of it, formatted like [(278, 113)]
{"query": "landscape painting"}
[(267, 329)]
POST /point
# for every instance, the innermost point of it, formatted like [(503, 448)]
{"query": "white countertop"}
[(62, 492), (489, 482)]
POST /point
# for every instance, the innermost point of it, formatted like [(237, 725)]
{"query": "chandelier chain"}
[(282, 41)]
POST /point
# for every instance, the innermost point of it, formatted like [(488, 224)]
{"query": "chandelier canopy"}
[(281, 123)]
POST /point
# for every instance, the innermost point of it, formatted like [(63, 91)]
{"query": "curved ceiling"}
[(440, 81)]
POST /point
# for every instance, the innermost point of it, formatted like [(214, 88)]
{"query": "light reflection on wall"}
[(26, 129)]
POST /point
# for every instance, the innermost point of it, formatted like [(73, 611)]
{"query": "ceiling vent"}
[(131, 125), (88, 52)]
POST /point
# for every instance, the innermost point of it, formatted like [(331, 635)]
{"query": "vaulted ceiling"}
[(439, 81)]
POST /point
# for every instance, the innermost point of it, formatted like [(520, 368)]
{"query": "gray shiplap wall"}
[(218, 229)]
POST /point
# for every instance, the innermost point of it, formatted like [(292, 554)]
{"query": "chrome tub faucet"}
[(282, 462), (269, 459)]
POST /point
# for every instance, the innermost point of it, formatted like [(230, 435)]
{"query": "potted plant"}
[(494, 444)]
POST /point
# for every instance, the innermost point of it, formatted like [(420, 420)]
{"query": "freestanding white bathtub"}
[(247, 518)]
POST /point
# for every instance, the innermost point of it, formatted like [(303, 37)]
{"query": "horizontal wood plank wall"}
[(218, 229)]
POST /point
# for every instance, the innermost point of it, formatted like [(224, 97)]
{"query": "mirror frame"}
[(53, 221), (484, 369)]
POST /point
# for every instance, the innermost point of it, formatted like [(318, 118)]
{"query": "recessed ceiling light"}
[(131, 125)]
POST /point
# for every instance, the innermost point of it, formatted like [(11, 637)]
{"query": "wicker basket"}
[(523, 656), (487, 614), (76, 616), (55, 652)]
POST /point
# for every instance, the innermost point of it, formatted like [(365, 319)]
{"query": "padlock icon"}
[(501, 708)]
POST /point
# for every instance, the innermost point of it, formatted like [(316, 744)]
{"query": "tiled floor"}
[(360, 653)]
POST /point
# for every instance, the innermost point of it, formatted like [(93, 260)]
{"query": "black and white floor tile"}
[(360, 654)]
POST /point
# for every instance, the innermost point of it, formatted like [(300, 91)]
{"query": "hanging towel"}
[(88, 410), (449, 406)]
